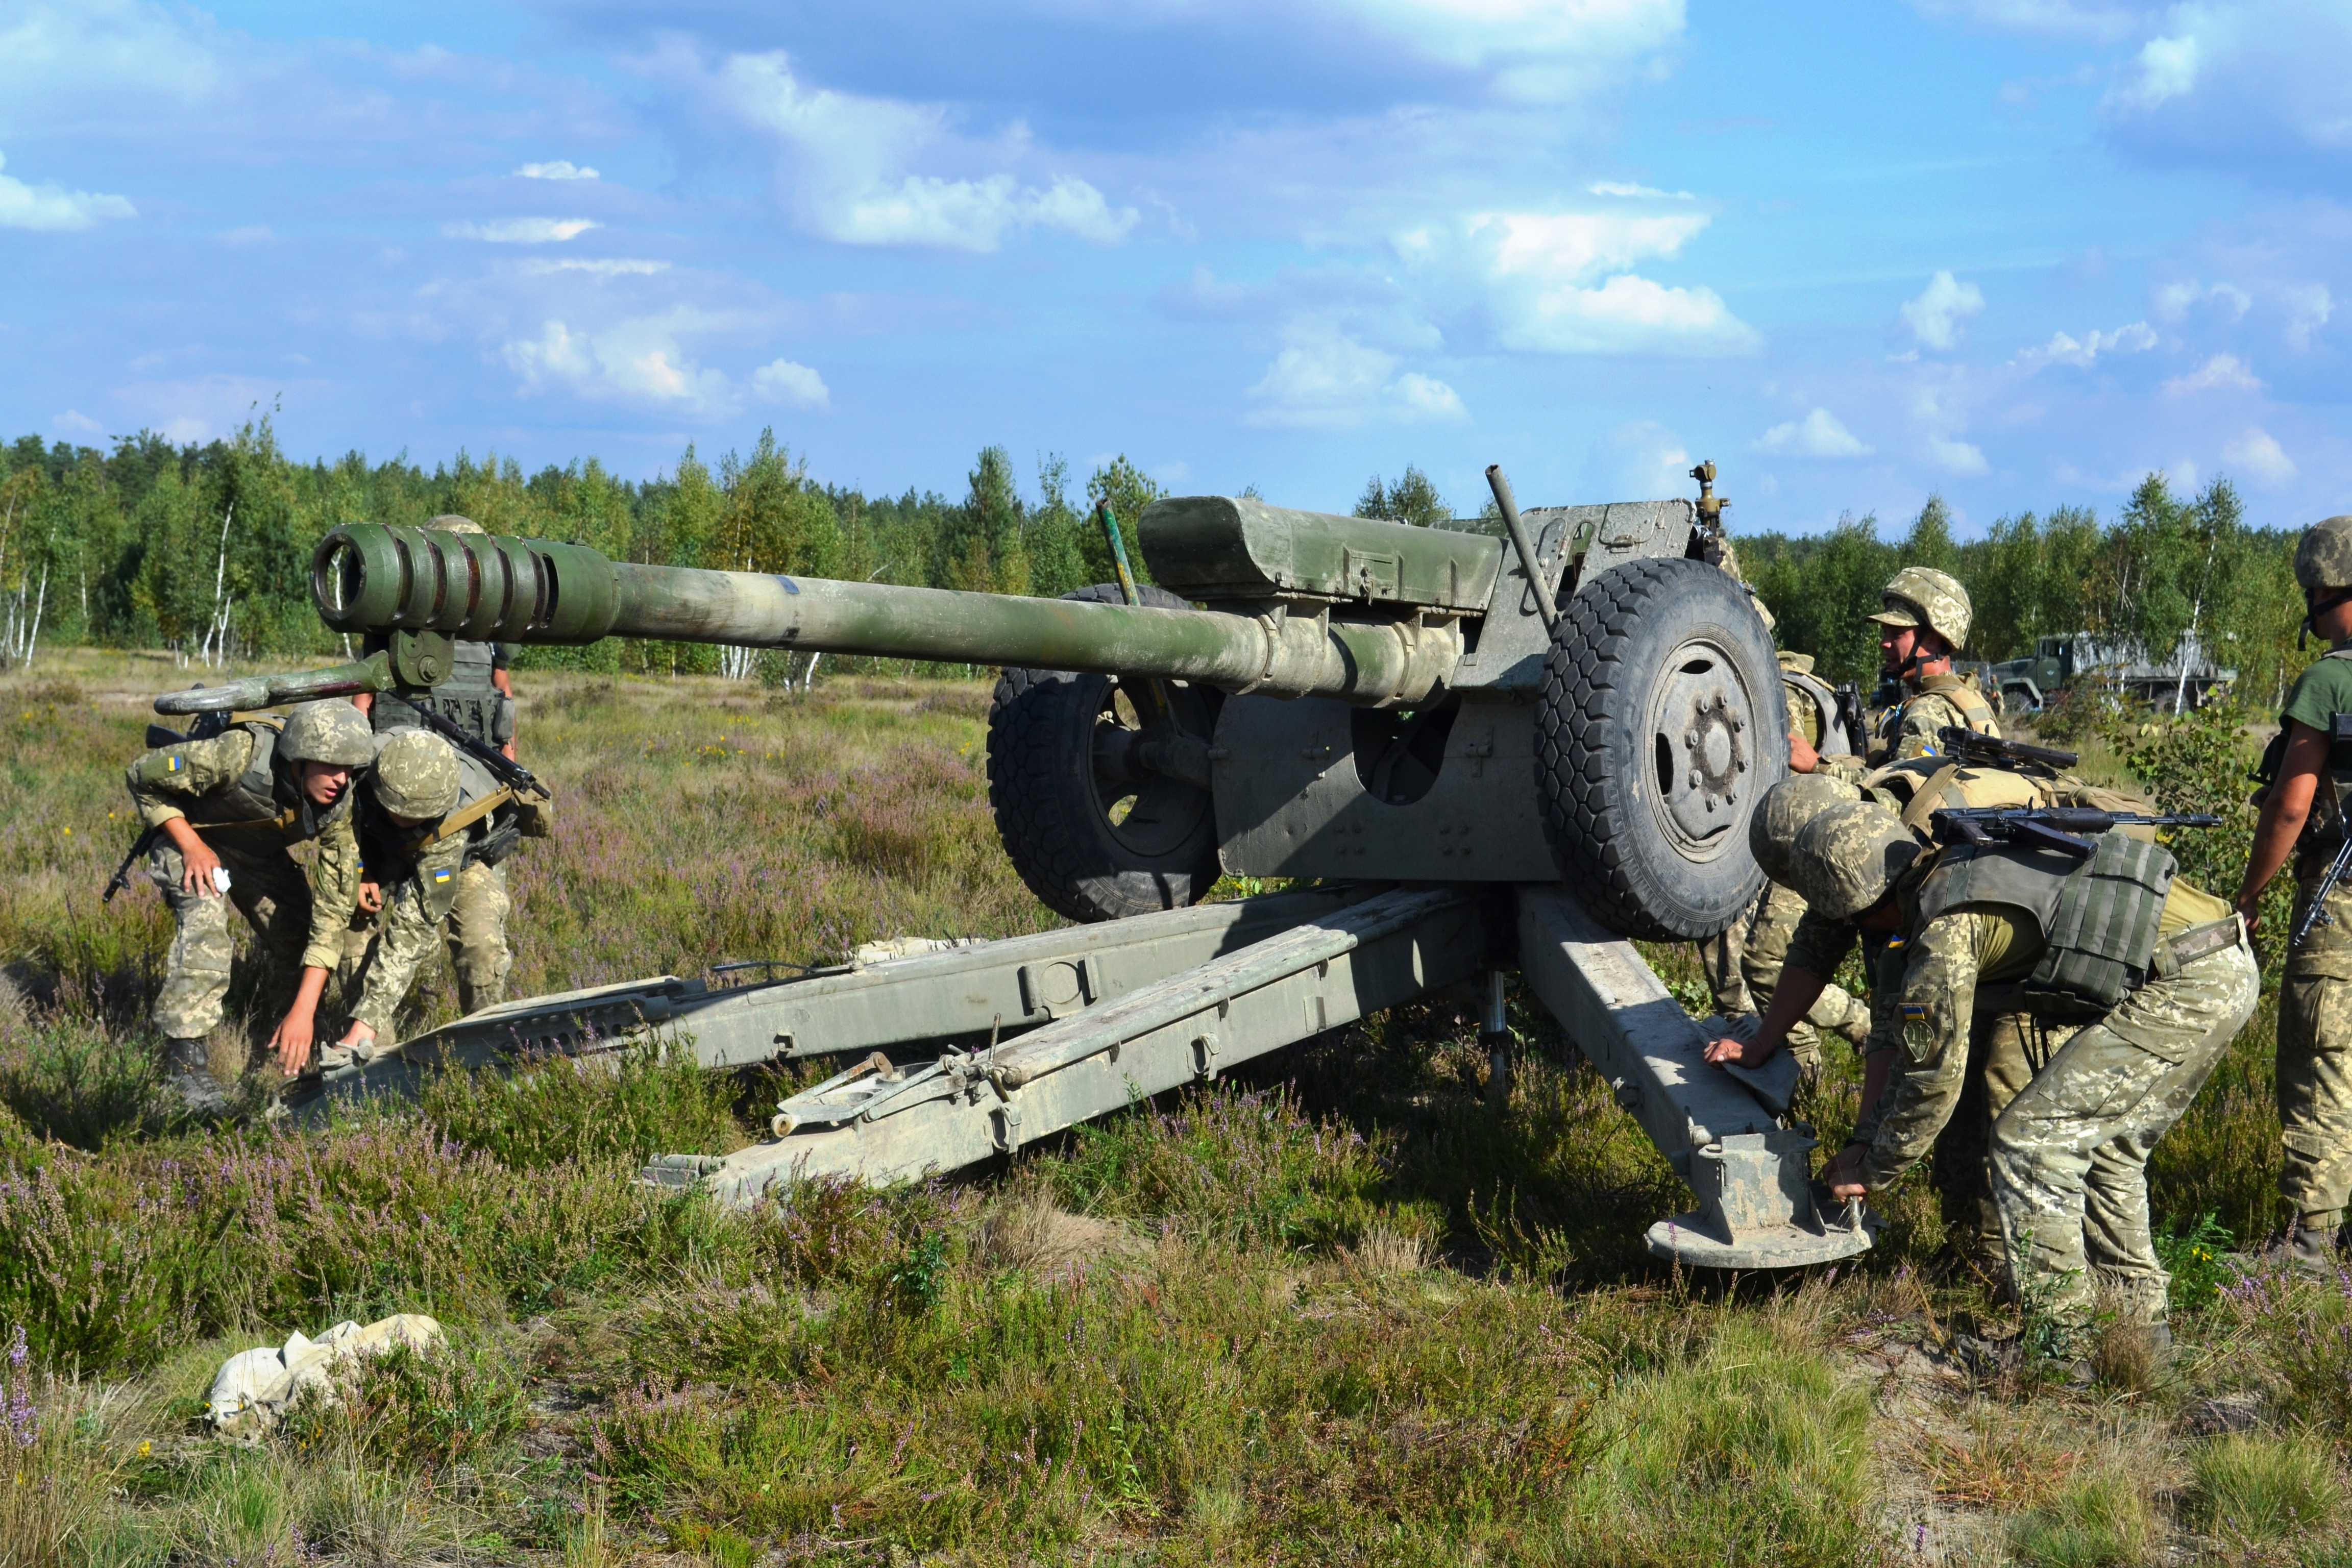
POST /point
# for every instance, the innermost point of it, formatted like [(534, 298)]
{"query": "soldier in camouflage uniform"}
[(1923, 622), (431, 813), (223, 815), (1764, 945), (478, 698), (2303, 814), (2161, 972)]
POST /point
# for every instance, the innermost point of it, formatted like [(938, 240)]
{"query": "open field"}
[(1331, 1309)]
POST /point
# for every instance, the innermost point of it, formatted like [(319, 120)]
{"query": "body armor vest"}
[(468, 699), (265, 794), (388, 851), (2098, 917)]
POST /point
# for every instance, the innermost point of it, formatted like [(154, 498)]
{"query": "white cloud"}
[(794, 385), (2259, 455), (559, 169), (67, 55), (2064, 348), (1818, 434), (522, 230), (2308, 307), (1638, 460), (2222, 373), (852, 157), (1541, 51), (2048, 19), (2167, 68), (2232, 77), (73, 421), (1551, 289), (1621, 188), (641, 360), (602, 266), (1959, 457), (1326, 378), (2173, 299), (54, 206), (1934, 317)]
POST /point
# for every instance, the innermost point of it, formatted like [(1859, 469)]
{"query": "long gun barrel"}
[(370, 578)]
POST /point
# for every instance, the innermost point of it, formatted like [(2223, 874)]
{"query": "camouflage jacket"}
[(209, 781)]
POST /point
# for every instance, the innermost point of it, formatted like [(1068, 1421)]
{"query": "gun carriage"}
[(1491, 745)]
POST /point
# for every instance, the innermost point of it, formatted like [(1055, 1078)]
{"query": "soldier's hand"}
[(1727, 1052), (2251, 911), (507, 751), (198, 864), (1801, 755), (1842, 1175), (293, 1041), (371, 897)]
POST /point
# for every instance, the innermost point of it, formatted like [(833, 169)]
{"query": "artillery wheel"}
[(1091, 836), (1661, 723)]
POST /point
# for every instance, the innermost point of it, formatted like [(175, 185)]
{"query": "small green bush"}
[(2255, 1487), (2102, 1523)]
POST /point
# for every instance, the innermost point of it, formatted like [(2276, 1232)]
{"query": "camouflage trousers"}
[(2102, 1102), (382, 953), (1764, 949), (2315, 1065), (2007, 1046), (270, 890)]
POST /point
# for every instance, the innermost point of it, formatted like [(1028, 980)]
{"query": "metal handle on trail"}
[(370, 674), (1520, 541)]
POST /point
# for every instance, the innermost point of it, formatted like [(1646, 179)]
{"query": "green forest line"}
[(193, 547)]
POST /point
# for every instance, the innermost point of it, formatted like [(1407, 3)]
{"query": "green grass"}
[(1331, 1309)]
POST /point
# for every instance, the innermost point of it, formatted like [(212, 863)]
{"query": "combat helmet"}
[(1847, 858), (331, 732), (2322, 561), (416, 775), (450, 522), (1783, 812), (1923, 597)]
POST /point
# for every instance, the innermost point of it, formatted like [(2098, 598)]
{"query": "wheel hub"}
[(1701, 744)]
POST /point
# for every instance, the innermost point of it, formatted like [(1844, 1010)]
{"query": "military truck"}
[(1481, 747), (2028, 684)]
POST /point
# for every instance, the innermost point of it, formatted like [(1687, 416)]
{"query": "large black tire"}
[(1096, 846), (1661, 723)]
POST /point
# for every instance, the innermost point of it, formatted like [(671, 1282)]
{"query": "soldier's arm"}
[(162, 780), (1936, 1003), (2286, 807), (334, 893), (1922, 717), (1814, 954), (412, 925)]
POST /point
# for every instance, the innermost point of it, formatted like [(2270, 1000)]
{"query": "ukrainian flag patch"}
[(441, 874), (1914, 1012), (174, 763)]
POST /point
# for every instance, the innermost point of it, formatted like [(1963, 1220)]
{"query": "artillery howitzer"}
[(1495, 746)]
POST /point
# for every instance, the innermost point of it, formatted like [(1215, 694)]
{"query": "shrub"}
[(2255, 1487)]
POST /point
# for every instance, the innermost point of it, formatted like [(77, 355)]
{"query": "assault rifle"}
[(2317, 915), (206, 726), (503, 768), (2059, 827), (1964, 745)]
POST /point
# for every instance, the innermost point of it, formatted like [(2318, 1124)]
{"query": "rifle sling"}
[(1929, 800), (462, 818)]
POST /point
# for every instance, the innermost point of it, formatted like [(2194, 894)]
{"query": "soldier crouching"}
[(2159, 971), (432, 818), (223, 815)]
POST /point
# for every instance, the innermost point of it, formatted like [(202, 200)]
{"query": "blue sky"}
[(2020, 252)]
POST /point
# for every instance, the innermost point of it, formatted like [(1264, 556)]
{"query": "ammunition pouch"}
[(2098, 917), (535, 814)]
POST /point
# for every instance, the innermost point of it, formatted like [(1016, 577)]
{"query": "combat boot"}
[(2312, 1248), (188, 1073)]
